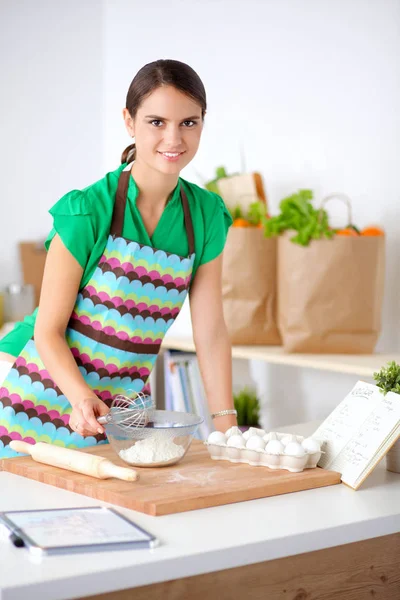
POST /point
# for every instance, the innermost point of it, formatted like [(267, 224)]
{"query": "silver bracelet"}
[(222, 413)]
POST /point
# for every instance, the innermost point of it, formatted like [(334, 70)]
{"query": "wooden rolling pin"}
[(73, 460)]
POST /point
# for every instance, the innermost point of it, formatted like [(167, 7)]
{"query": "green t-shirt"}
[(82, 219)]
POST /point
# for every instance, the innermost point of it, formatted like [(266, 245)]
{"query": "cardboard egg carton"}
[(258, 456)]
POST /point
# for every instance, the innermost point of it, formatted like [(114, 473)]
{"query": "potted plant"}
[(247, 405), (388, 380)]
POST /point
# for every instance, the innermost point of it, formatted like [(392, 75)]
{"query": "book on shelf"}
[(174, 399), (184, 391), (359, 432), (184, 385)]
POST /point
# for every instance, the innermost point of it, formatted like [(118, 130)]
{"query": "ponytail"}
[(128, 154)]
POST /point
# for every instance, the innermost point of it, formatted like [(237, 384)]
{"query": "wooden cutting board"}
[(196, 482)]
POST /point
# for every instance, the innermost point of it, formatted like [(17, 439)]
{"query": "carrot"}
[(240, 223), (348, 231), (372, 230)]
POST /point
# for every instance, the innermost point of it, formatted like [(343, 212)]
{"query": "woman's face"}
[(167, 129)]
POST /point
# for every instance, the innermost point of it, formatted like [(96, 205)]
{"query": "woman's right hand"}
[(84, 416)]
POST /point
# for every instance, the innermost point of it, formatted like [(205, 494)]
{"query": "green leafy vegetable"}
[(248, 407), (257, 213), (298, 213), (212, 186), (388, 378), (236, 212)]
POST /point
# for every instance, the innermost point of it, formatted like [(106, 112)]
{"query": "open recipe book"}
[(359, 432)]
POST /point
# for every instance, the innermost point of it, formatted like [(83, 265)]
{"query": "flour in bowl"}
[(152, 450)]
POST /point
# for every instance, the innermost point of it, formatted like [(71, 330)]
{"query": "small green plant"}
[(388, 378), (248, 407)]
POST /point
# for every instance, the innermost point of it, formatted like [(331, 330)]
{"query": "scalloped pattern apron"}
[(115, 332)]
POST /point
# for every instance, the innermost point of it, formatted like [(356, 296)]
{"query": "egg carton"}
[(253, 453)]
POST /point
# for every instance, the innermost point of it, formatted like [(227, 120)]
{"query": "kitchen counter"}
[(207, 541)]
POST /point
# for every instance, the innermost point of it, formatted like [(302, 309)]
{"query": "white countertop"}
[(198, 541)]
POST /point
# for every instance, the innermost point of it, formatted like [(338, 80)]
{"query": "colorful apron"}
[(115, 332)]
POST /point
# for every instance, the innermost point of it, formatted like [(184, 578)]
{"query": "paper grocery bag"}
[(33, 257), (242, 190), (330, 294), (249, 287)]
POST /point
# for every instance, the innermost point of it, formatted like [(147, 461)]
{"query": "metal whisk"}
[(128, 412)]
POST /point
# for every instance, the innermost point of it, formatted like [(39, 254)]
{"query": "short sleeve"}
[(74, 222), (217, 226)]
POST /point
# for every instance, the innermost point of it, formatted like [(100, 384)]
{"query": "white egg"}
[(274, 447), (257, 431), (294, 449), (288, 438), (216, 437), (236, 441), (233, 431), (311, 445), (246, 435), (255, 443)]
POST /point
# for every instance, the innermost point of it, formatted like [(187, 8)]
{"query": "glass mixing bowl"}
[(164, 441)]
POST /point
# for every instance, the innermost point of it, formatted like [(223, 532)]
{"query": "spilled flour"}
[(200, 477)]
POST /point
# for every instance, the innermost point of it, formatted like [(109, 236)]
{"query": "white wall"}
[(51, 114), (311, 89)]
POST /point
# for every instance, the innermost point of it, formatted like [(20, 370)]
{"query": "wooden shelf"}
[(363, 365)]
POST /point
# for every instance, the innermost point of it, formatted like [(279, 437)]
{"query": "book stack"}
[(184, 389)]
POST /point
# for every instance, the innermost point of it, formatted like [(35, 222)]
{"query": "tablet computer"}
[(66, 530)]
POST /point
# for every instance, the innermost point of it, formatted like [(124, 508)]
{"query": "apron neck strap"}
[(117, 221), (188, 221)]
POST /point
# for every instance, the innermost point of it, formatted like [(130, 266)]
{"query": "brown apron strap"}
[(117, 222), (188, 221)]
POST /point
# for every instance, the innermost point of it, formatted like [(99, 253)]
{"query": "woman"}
[(122, 256)]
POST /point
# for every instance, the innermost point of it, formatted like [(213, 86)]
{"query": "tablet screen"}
[(75, 527)]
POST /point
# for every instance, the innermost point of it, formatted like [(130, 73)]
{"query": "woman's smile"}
[(171, 156)]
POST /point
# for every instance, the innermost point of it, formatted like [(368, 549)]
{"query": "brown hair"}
[(154, 75)]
